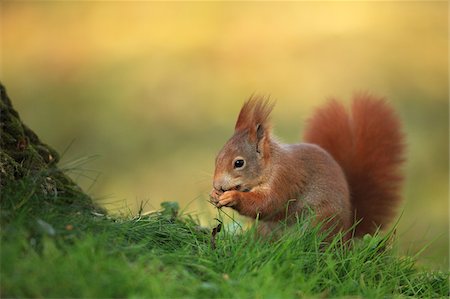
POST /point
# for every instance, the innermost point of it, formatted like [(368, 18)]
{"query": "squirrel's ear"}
[(254, 119), (254, 112), (259, 132), (262, 140)]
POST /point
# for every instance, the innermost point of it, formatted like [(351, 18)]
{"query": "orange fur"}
[(368, 145), (255, 111), (357, 154)]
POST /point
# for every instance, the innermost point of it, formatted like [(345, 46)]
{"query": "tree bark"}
[(23, 155)]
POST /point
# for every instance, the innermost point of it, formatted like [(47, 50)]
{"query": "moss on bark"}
[(23, 155)]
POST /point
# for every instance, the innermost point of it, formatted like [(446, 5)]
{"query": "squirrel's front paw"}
[(228, 199), (214, 196)]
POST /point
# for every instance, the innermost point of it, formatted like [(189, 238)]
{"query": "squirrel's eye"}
[(239, 163)]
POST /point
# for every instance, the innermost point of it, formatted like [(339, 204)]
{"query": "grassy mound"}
[(54, 249)]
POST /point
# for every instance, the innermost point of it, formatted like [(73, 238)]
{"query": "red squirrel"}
[(347, 171)]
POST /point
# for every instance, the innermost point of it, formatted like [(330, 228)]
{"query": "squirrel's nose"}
[(218, 187), (222, 182)]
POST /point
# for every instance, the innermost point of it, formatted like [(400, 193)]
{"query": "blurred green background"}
[(154, 88)]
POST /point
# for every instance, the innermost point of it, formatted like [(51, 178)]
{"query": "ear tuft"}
[(254, 115)]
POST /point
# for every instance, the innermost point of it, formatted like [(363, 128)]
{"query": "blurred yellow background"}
[(154, 88)]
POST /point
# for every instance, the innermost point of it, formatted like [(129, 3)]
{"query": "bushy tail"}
[(368, 145)]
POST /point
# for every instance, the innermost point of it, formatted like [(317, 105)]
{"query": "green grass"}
[(55, 247)]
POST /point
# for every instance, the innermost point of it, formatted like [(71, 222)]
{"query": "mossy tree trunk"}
[(23, 155)]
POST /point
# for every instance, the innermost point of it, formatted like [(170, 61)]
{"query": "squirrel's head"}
[(241, 162)]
